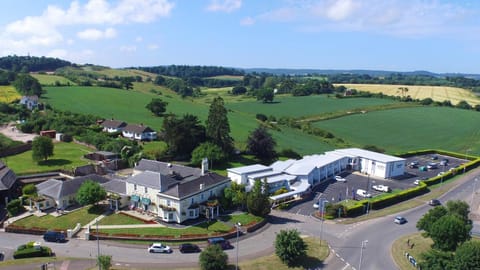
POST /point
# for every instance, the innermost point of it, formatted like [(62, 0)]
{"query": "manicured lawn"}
[(66, 156), (201, 228), (244, 218), (399, 247), (407, 129), (64, 222), (119, 219)]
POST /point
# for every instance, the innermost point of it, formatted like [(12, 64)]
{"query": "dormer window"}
[(146, 190), (135, 187)]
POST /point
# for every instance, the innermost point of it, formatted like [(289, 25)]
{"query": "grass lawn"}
[(244, 219), (201, 228), (64, 222), (119, 219), (66, 156), (45, 79), (407, 129), (399, 247)]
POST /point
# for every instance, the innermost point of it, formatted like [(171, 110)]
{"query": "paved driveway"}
[(13, 133)]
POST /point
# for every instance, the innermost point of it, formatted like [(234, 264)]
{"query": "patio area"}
[(140, 214)]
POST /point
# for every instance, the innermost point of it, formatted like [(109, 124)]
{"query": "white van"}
[(363, 193)]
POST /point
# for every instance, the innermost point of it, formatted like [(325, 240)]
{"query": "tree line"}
[(26, 64)]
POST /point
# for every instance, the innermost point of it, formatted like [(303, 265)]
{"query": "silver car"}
[(159, 248)]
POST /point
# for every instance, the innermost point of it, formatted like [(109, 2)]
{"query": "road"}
[(345, 240)]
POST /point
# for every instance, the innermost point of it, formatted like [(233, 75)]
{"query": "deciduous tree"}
[(289, 246), (182, 135), (261, 144), (467, 255), (425, 223), (157, 106), (437, 260), (42, 148), (208, 150), (90, 193), (258, 201), (448, 232), (213, 258)]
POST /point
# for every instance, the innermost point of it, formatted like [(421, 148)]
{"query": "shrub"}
[(261, 117), (15, 207), (30, 252)]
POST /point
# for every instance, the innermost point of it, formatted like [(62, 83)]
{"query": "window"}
[(211, 193), (201, 196), (193, 201), (192, 213), (135, 187), (169, 203), (146, 190)]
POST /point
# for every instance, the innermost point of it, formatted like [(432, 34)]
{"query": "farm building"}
[(299, 176)]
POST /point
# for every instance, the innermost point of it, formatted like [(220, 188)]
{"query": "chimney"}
[(201, 186), (204, 166)]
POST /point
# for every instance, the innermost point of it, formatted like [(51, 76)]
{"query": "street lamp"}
[(98, 247), (473, 191), (237, 226), (364, 245), (321, 225)]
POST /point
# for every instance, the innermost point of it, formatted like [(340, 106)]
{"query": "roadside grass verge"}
[(64, 222), (243, 219), (119, 219), (66, 157), (203, 228), (400, 246)]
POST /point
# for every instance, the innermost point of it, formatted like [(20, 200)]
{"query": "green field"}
[(46, 79), (410, 129), (8, 94), (66, 156)]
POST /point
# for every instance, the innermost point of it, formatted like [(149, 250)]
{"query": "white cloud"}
[(128, 49), (247, 21), (50, 28), (224, 5), (153, 47), (95, 34), (138, 39)]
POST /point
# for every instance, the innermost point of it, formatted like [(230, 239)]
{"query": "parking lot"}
[(335, 192)]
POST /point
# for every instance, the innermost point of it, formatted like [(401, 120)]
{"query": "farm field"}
[(66, 156), (437, 93), (129, 106), (45, 79), (8, 94), (415, 128), (305, 106)]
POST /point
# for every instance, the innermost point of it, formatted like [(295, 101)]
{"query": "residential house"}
[(8, 184), (112, 126), (61, 194), (116, 194), (174, 192), (31, 102), (139, 132)]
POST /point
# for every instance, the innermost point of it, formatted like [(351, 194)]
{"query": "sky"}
[(440, 36)]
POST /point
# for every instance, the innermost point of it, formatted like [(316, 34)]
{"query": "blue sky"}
[(399, 35)]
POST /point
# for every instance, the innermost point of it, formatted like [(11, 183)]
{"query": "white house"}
[(174, 192), (139, 132), (61, 194), (299, 176), (112, 126), (31, 102)]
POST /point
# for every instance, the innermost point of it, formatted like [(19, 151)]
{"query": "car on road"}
[(400, 220), (363, 193), (189, 248), (338, 178), (53, 236), (159, 248), (382, 188), (224, 244), (434, 202)]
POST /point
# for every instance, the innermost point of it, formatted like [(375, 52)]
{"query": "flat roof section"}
[(256, 168)]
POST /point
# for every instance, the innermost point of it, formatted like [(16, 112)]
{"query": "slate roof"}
[(7, 177), (116, 186), (113, 124), (153, 180), (167, 168), (188, 188), (137, 128), (57, 189)]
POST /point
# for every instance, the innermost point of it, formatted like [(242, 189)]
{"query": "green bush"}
[(30, 252), (15, 207)]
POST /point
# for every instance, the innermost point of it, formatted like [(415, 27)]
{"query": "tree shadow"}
[(281, 220), (54, 162)]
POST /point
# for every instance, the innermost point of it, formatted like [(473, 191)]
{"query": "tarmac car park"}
[(335, 191)]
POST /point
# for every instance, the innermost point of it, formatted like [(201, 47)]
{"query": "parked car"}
[(400, 220), (434, 202), (382, 188), (338, 178), (432, 165), (159, 248), (363, 193), (224, 244), (417, 182), (444, 162), (189, 248), (434, 157), (53, 236), (414, 164)]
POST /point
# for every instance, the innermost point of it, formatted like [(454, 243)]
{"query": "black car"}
[(53, 236), (189, 248), (224, 244), (434, 202)]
